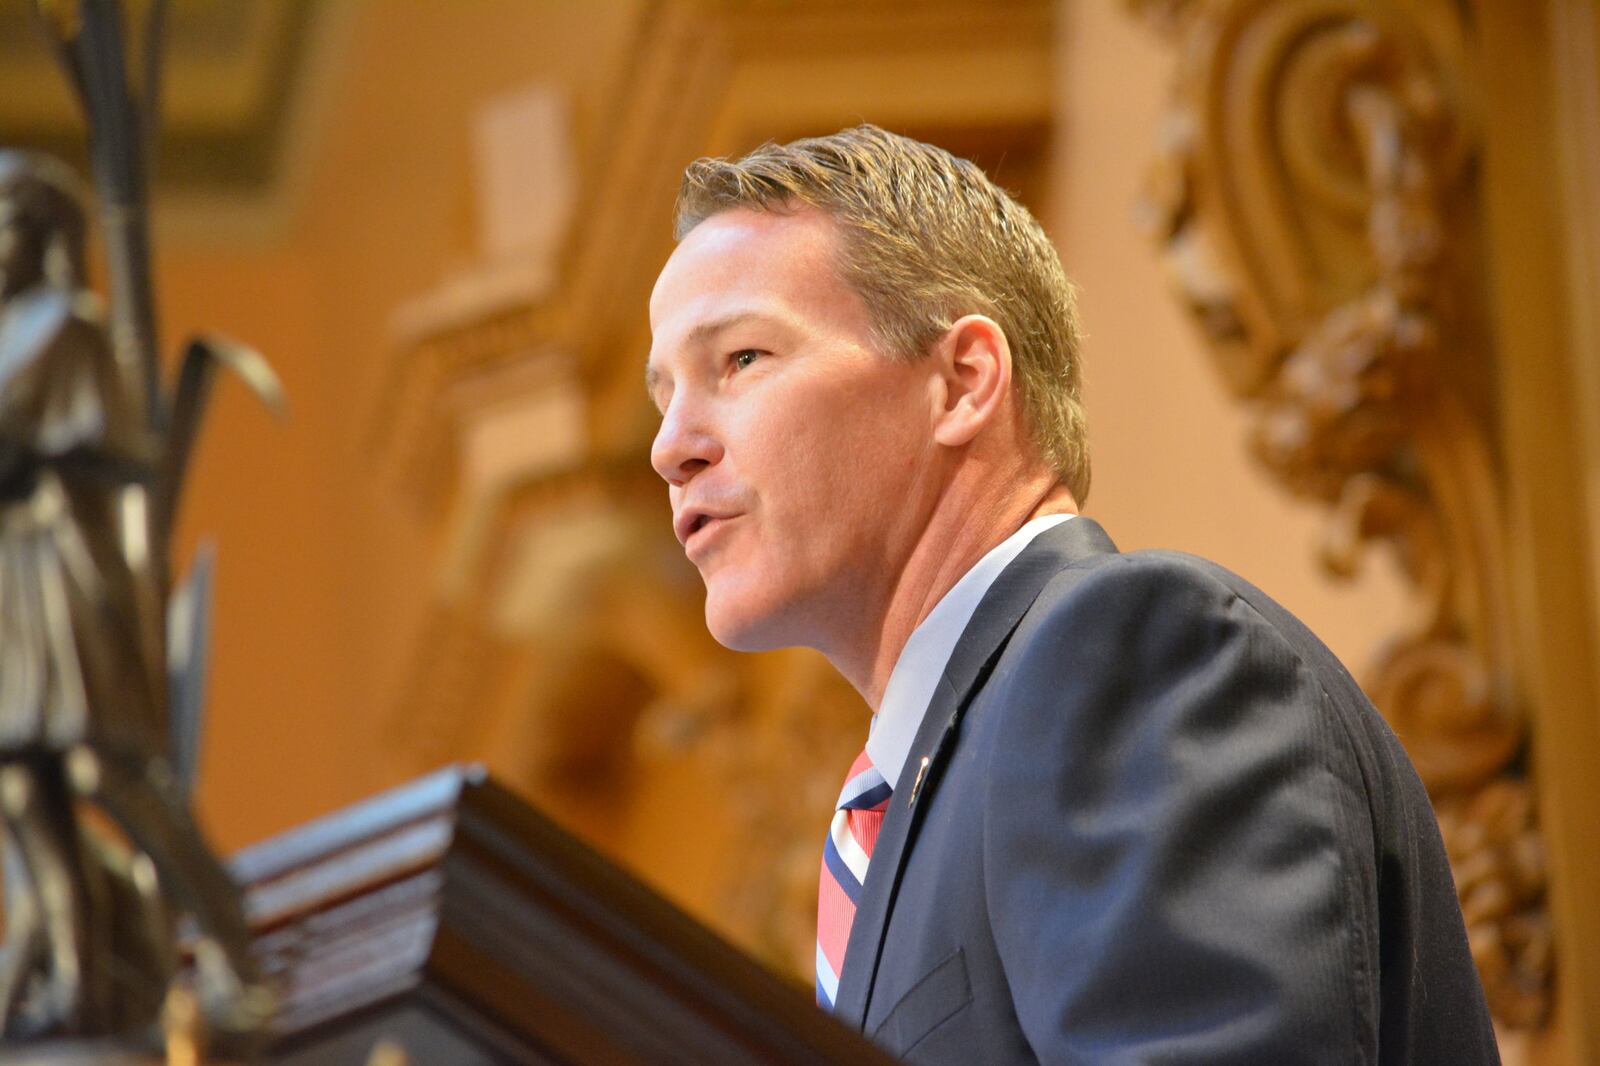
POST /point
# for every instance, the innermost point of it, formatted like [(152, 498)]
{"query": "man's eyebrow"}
[(706, 330)]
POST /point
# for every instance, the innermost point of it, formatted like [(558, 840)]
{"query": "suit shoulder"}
[(1145, 584), (1154, 584), (1158, 567), (1141, 618)]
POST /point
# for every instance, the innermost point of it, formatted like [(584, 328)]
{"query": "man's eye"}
[(744, 357)]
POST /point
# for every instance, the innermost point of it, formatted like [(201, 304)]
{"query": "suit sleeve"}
[(1173, 832)]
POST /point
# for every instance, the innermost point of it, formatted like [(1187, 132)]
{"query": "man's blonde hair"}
[(928, 238)]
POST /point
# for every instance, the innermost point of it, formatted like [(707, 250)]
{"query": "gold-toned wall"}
[(323, 573)]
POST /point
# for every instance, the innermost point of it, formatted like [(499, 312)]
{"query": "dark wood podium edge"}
[(453, 894)]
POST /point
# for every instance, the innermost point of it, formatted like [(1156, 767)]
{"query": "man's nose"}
[(684, 445)]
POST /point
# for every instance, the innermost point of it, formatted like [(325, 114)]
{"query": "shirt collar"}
[(922, 661)]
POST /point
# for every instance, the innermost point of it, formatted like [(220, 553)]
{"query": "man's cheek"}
[(774, 440)]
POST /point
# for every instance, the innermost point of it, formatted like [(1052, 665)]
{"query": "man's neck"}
[(950, 545)]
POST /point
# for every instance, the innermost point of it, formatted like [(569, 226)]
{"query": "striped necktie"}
[(845, 854)]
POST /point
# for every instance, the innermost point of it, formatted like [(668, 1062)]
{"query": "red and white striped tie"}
[(845, 855)]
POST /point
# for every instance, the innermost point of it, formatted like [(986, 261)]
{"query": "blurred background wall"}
[(440, 222)]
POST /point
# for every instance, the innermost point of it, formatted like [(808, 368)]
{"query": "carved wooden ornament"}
[(1317, 200)]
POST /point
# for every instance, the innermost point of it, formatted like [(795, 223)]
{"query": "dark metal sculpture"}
[(99, 704)]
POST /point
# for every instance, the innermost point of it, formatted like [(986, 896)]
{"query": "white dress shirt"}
[(922, 661)]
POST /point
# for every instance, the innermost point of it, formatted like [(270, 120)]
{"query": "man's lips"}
[(691, 521), (702, 535)]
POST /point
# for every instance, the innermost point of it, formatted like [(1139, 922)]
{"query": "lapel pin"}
[(916, 786)]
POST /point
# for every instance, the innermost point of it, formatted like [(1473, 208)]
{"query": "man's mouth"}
[(702, 523), (694, 526)]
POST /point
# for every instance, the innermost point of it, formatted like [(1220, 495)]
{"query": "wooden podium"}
[(452, 920)]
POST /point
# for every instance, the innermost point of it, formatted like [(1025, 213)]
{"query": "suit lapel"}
[(1002, 607)]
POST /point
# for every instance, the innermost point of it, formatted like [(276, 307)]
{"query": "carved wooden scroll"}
[(1317, 200)]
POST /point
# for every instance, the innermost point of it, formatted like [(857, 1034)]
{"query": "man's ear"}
[(975, 368)]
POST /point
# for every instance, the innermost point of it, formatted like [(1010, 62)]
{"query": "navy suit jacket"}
[(1159, 824)]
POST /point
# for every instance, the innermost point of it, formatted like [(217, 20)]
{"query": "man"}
[(1113, 808)]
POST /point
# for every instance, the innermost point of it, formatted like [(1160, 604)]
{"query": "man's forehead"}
[(743, 251)]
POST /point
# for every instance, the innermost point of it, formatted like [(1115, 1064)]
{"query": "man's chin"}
[(745, 630), (743, 638)]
